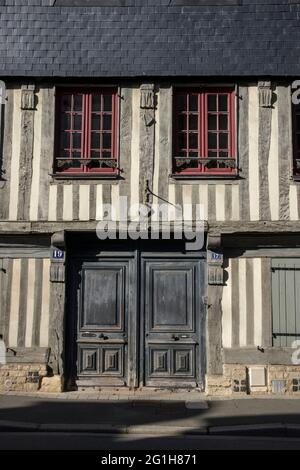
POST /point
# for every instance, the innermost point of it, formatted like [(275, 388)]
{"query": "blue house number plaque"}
[(58, 254), (216, 256)]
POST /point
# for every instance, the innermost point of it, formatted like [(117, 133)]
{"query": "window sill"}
[(84, 177), (205, 177)]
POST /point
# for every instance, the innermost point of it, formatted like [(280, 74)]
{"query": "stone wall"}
[(235, 381), (280, 380), (21, 377)]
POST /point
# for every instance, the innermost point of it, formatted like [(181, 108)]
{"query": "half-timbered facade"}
[(106, 102)]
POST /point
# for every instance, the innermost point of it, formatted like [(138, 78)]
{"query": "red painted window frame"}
[(86, 129), (296, 145), (202, 132)]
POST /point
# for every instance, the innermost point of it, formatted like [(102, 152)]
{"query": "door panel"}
[(112, 361), (103, 299), (171, 361), (162, 284), (89, 360), (102, 326), (183, 361), (173, 321)]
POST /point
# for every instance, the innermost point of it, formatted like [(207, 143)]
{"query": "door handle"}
[(102, 336), (178, 338)]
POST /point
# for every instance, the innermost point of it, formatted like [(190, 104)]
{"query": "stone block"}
[(51, 384), (218, 385)]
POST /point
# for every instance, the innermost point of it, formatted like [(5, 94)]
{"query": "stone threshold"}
[(192, 397), (115, 395)]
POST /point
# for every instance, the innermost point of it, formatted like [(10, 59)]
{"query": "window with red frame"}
[(86, 131), (296, 138), (204, 132)]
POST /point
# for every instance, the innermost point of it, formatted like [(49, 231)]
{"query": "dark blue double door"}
[(141, 320)]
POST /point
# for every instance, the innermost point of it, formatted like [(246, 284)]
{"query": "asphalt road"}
[(79, 441)]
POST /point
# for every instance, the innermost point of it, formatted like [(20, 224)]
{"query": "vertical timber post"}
[(214, 315), (147, 142), (2, 116), (58, 297), (28, 107)]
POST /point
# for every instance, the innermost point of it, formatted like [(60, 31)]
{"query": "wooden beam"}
[(225, 228), (251, 356), (28, 355), (239, 227), (72, 226)]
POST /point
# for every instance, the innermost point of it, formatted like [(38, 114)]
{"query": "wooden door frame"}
[(136, 313)]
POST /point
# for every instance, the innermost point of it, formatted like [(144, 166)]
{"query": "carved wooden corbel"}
[(214, 242), (58, 240), (147, 96), (57, 272), (148, 103), (57, 268), (215, 260), (265, 94), (28, 97)]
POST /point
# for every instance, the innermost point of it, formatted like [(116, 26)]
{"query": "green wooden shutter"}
[(285, 301)]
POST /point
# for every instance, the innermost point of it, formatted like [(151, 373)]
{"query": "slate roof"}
[(149, 37)]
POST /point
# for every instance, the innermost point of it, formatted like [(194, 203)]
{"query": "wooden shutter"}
[(285, 301)]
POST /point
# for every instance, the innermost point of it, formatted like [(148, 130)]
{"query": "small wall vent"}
[(278, 387)]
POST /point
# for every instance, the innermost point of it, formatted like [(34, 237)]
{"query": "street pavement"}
[(85, 422), (165, 444)]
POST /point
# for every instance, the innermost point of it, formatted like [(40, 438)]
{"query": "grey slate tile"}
[(154, 37)]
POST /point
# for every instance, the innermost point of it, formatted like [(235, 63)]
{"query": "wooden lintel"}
[(261, 227), (214, 228)]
